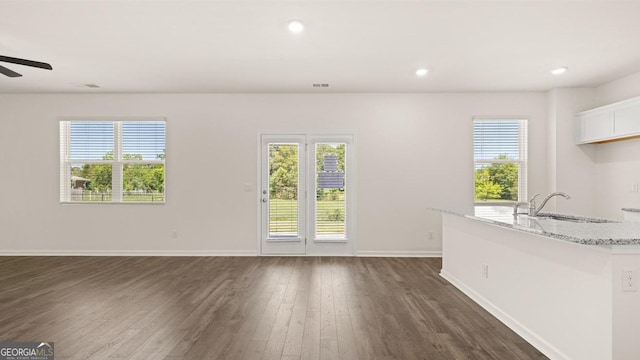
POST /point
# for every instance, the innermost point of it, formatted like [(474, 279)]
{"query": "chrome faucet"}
[(533, 211)]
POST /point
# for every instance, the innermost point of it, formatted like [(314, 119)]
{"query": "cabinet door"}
[(596, 126), (627, 120)]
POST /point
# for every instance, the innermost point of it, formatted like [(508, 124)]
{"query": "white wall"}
[(618, 90), (414, 151), (570, 167), (599, 177), (617, 164), (552, 140), (617, 169), (626, 310)]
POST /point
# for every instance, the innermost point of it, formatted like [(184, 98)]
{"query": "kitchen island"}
[(560, 284)]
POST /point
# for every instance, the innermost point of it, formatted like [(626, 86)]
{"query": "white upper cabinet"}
[(627, 120), (611, 122), (595, 127)]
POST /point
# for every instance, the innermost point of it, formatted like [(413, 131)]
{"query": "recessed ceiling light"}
[(422, 72), (559, 71), (296, 26)]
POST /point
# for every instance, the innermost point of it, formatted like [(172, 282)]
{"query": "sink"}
[(576, 219)]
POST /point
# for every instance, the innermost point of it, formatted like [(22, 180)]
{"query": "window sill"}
[(322, 240), (111, 203), (495, 203)]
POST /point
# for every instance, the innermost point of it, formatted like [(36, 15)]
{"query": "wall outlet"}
[(174, 235), (629, 280), (634, 187), (430, 235), (485, 271)]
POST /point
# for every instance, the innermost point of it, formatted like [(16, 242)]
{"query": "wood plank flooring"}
[(247, 308)]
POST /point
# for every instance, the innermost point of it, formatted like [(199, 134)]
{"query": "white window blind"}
[(112, 161), (92, 140), (500, 159), (145, 139)]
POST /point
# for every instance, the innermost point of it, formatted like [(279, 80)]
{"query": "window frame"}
[(117, 170), (521, 162)]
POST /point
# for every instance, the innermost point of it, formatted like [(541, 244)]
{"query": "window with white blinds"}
[(112, 161), (500, 160)]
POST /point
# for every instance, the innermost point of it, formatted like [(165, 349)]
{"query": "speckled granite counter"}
[(610, 234)]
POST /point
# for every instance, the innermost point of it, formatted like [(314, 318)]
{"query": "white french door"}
[(283, 194), (306, 195)]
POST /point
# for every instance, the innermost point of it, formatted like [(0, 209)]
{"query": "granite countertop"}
[(600, 232)]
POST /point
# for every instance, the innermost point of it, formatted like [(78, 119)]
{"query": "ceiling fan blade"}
[(25, 62), (8, 72)]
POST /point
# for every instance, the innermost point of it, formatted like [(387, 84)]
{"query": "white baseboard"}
[(202, 253), (534, 339), (399, 253), (128, 253)]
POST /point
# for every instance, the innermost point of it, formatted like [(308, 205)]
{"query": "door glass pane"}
[(330, 202), (283, 190)]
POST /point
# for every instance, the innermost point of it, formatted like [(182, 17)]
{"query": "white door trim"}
[(314, 247), (282, 246), (331, 247)]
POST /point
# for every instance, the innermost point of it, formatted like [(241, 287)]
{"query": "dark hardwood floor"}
[(247, 308)]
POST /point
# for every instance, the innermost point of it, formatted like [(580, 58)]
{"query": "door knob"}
[(264, 200)]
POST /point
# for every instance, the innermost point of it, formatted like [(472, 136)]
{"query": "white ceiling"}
[(355, 46)]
